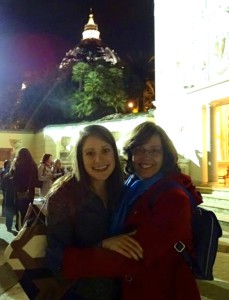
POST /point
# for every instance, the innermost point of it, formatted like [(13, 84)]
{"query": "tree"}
[(138, 70), (101, 90)]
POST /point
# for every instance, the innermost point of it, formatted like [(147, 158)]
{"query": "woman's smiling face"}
[(148, 158), (98, 158)]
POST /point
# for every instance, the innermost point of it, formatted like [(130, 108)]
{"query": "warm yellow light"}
[(135, 110), (130, 104)]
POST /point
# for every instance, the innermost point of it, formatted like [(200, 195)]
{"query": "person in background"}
[(57, 169), (9, 196), (159, 213), (6, 167), (80, 206), (24, 172), (45, 173)]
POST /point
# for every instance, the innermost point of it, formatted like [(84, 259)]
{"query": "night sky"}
[(37, 33)]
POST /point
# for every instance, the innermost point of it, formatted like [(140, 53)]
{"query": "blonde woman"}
[(57, 169)]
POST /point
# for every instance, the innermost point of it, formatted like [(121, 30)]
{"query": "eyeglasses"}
[(140, 151)]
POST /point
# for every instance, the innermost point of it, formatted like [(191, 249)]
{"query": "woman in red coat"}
[(157, 214)]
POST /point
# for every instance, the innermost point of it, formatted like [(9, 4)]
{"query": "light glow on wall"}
[(119, 127)]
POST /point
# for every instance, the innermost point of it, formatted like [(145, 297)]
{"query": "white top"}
[(45, 175)]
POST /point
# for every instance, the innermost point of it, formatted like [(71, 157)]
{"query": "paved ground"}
[(210, 290)]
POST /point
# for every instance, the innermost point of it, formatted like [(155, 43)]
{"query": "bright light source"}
[(130, 104), (23, 86)]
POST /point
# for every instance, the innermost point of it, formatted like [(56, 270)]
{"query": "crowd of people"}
[(19, 179), (113, 239)]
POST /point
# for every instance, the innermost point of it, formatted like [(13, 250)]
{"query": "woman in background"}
[(57, 169), (24, 172), (45, 173), (8, 195)]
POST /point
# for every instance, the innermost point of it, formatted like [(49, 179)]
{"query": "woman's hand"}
[(125, 245)]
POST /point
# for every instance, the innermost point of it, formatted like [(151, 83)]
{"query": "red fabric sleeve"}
[(159, 228)]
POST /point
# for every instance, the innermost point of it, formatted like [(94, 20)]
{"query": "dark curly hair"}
[(45, 158)]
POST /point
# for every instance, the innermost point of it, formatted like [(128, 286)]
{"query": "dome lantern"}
[(91, 29)]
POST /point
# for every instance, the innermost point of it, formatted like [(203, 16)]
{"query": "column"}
[(212, 159), (204, 161)]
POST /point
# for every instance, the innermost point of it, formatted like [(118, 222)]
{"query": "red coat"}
[(162, 274)]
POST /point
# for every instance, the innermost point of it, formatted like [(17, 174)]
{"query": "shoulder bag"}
[(26, 256)]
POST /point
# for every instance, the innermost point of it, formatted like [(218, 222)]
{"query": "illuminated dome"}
[(90, 48)]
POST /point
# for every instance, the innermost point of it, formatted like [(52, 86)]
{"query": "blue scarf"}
[(134, 188)]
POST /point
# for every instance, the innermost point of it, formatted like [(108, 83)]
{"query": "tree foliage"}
[(138, 68), (86, 92), (101, 89)]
